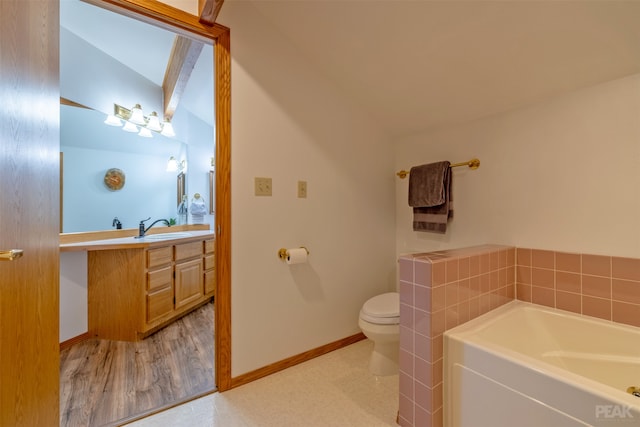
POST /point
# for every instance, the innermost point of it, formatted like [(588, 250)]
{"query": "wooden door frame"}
[(178, 21)]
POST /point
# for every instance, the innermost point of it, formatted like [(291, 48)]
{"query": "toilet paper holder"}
[(283, 252)]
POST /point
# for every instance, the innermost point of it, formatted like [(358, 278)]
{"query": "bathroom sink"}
[(167, 236)]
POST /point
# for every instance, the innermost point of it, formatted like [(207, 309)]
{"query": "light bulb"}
[(145, 133), (112, 120), (130, 127), (136, 115), (167, 129), (154, 122)]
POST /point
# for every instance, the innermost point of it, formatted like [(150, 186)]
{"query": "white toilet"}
[(380, 322)]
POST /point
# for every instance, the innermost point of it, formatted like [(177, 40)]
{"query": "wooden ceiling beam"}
[(209, 10), (183, 58)]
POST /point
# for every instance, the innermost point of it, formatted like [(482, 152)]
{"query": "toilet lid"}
[(384, 306)]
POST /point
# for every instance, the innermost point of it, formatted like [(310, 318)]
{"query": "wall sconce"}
[(134, 117), (173, 165)]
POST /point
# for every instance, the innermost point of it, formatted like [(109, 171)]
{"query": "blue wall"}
[(89, 150)]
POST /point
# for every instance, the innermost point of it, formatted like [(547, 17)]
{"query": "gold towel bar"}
[(473, 164)]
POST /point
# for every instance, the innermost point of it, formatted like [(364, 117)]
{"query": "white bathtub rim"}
[(487, 319), (464, 334)]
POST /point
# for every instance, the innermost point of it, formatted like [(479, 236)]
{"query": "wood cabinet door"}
[(29, 212), (189, 286)]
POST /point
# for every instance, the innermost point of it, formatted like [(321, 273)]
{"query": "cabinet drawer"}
[(209, 262), (158, 279), (188, 250), (159, 256), (209, 246), (209, 281), (159, 304)]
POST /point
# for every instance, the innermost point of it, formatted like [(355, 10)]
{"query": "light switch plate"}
[(262, 186), (302, 189)]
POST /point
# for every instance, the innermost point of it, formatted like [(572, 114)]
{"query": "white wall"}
[(562, 174), (73, 295), (289, 123)]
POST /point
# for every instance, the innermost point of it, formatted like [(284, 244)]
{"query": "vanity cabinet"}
[(134, 292)]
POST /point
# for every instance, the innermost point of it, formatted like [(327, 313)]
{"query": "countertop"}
[(133, 242)]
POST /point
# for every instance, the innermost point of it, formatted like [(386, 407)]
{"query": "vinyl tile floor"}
[(333, 390)]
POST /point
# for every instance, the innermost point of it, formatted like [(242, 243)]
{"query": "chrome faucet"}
[(116, 223), (142, 230)]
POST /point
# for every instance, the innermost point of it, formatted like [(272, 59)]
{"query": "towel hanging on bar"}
[(473, 164), (430, 196)]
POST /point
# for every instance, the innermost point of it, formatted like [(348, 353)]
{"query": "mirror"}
[(99, 67), (90, 149)]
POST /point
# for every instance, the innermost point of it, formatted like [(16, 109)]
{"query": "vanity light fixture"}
[(135, 117)]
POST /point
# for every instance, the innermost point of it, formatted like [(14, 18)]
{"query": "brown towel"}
[(430, 196), (426, 184)]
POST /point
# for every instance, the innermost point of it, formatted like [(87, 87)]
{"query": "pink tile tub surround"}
[(594, 285), (438, 291)]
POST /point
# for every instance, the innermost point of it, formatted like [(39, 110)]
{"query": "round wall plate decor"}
[(114, 179)]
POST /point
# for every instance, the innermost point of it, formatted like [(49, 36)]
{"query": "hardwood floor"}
[(104, 381)]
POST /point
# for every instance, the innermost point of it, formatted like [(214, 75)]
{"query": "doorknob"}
[(10, 255)]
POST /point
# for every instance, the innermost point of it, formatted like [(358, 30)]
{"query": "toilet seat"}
[(382, 309)]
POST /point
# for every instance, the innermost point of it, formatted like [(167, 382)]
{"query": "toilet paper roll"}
[(296, 256)]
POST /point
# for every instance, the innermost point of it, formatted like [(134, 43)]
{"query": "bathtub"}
[(526, 365)]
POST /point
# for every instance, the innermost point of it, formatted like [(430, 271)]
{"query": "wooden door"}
[(29, 212)]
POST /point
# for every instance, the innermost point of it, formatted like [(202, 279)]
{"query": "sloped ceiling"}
[(415, 65), (142, 47)]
